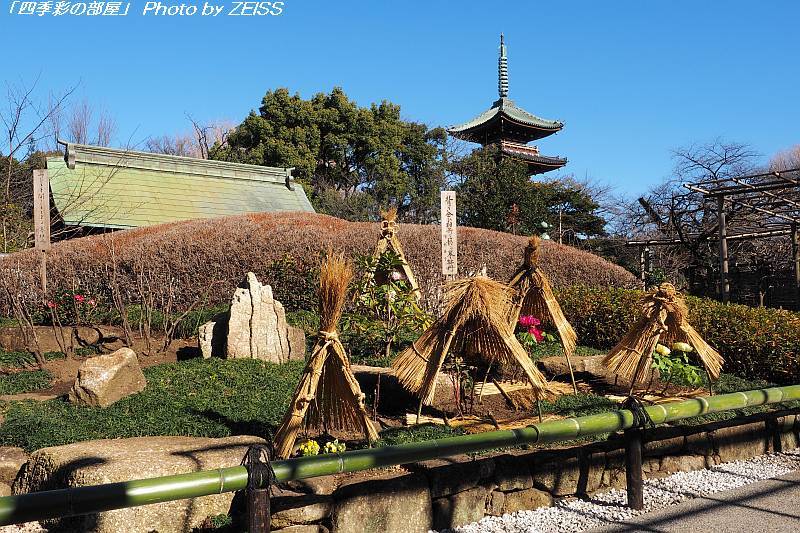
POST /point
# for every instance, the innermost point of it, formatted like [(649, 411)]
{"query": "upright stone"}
[(239, 323), (254, 328)]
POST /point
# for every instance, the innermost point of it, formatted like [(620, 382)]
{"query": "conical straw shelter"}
[(474, 323), (328, 395), (388, 241), (534, 296), (664, 319)]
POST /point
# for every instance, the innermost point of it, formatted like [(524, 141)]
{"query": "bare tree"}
[(25, 124), (211, 137), (788, 159), (670, 211), (79, 122), (106, 129), (181, 145)]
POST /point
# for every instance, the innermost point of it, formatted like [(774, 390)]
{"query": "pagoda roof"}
[(503, 119), (537, 163)]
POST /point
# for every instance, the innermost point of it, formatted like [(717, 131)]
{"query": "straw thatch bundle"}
[(388, 241), (664, 319), (328, 395), (474, 323), (534, 296)]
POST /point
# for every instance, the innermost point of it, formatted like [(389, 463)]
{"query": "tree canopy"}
[(351, 159), (497, 193)]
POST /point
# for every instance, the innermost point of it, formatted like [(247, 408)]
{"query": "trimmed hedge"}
[(758, 343), (203, 260)]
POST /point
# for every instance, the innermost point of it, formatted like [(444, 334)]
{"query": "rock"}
[(456, 474), (325, 485), (527, 499), (494, 503), (558, 475), (459, 509), (512, 473), (299, 529), (253, 328), (389, 503), (116, 460), (557, 365), (104, 379), (297, 343), (682, 463), (211, 337), (87, 336), (11, 460), (740, 442), (299, 510)]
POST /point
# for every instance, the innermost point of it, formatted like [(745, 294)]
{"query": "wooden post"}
[(41, 222), (258, 511), (796, 265), (449, 235), (633, 468), (259, 475), (724, 285), (642, 267)]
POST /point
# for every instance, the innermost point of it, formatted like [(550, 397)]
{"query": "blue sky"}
[(631, 80)]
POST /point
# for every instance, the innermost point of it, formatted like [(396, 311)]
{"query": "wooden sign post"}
[(41, 222), (449, 235)]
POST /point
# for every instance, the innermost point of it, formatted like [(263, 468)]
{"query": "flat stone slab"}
[(115, 460)]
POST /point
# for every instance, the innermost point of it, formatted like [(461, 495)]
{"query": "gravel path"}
[(572, 516)]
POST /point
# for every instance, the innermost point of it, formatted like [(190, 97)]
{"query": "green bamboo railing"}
[(93, 499)]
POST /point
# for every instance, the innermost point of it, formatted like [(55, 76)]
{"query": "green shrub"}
[(208, 398), (22, 359), (758, 343), (26, 381)]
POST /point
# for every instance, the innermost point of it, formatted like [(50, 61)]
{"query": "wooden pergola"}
[(773, 195)]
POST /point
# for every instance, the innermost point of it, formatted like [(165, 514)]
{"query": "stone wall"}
[(455, 491)]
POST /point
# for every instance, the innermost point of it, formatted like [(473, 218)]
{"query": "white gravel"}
[(27, 527), (570, 516)]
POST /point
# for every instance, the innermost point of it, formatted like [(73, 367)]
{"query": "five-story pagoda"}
[(511, 128)]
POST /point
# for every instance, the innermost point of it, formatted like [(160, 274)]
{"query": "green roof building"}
[(511, 128), (96, 187)]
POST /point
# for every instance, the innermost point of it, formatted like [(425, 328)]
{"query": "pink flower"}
[(396, 276), (536, 333), (51, 304), (79, 298), (527, 321), (92, 302)]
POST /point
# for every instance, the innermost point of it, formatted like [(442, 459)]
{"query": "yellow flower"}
[(682, 347), (662, 350)]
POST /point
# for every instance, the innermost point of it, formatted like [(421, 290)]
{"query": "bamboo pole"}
[(97, 498)]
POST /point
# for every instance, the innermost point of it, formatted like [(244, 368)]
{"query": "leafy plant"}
[(385, 305), (674, 367), (71, 307)]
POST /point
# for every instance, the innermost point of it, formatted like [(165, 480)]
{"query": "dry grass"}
[(199, 252), (328, 396), (664, 318), (474, 324)]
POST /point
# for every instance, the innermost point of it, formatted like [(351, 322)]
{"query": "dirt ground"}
[(66, 370)]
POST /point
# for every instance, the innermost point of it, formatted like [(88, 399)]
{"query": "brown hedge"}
[(207, 258)]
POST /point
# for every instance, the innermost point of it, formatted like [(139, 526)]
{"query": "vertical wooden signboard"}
[(449, 235), (41, 221)]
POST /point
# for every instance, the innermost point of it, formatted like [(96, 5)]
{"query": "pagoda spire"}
[(502, 70), (511, 128)]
